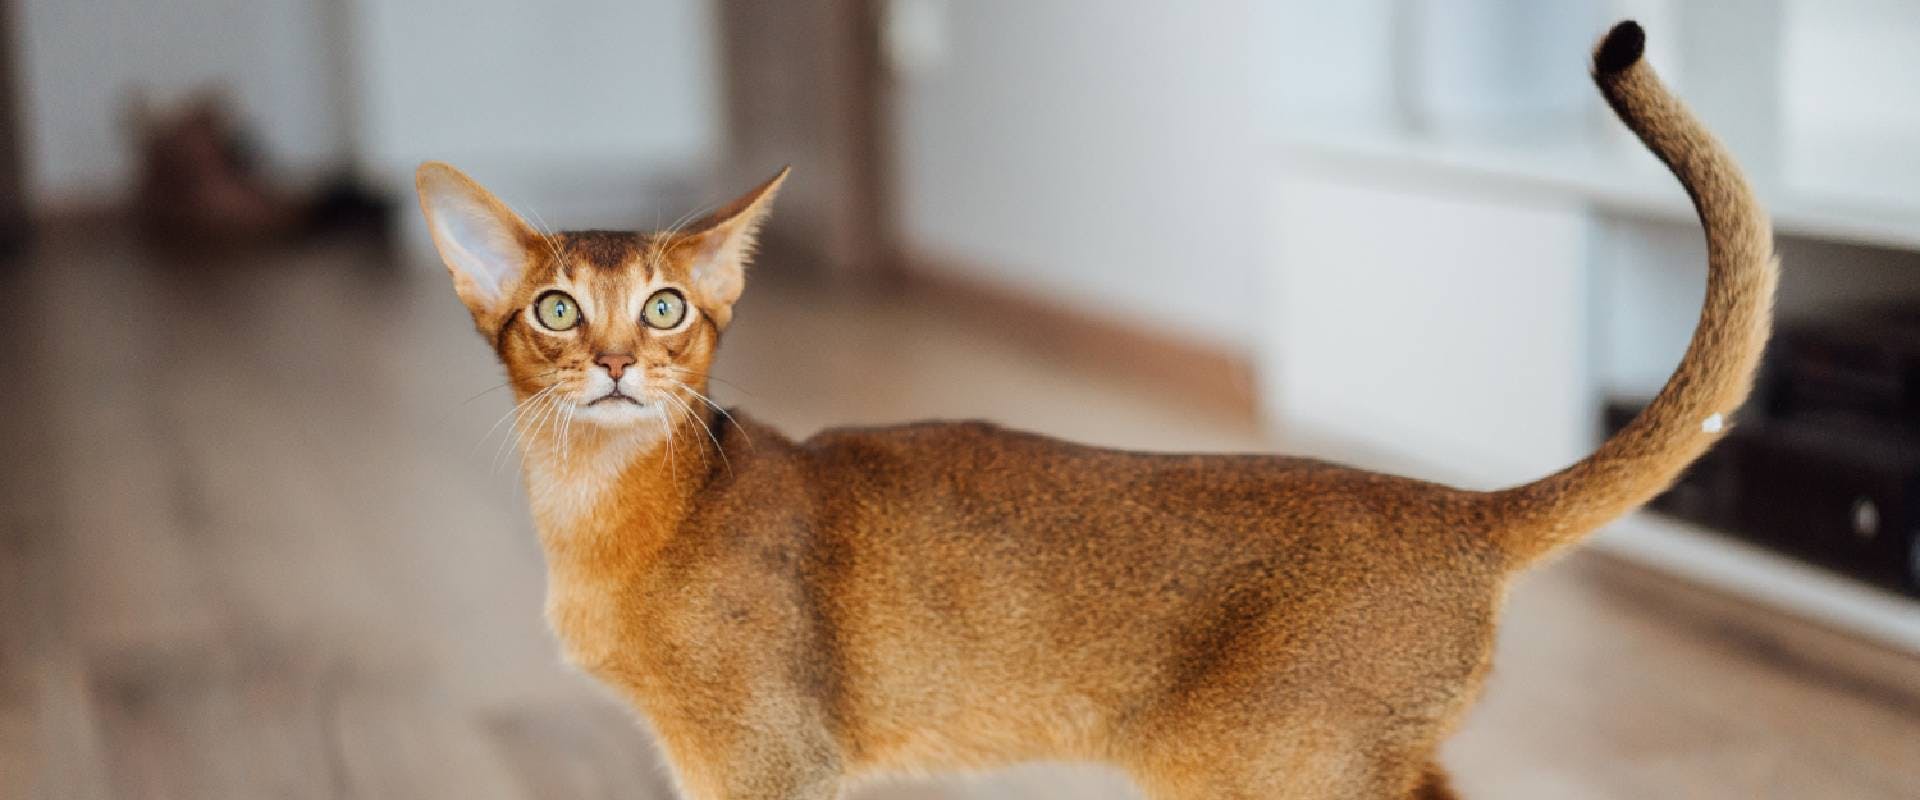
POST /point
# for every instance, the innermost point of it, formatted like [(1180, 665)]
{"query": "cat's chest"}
[(616, 626), (651, 630), (572, 500), (590, 621)]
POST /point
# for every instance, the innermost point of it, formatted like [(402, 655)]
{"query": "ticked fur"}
[(792, 616)]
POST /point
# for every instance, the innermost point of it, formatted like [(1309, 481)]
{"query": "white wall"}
[(80, 60), (558, 99), (1442, 322), (571, 108), (1851, 97), (1100, 154)]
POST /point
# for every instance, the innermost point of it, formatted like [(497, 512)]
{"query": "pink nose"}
[(616, 363)]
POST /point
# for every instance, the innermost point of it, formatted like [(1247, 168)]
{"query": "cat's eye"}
[(664, 309), (556, 311)]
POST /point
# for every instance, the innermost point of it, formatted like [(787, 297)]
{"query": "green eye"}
[(556, 311), (665, 309)]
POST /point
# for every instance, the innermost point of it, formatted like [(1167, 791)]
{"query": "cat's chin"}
[(619, 413)]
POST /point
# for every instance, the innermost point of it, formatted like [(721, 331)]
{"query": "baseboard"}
[(1199, 372), (1753, 573)]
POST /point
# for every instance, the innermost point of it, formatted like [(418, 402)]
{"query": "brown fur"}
[(793, 616)]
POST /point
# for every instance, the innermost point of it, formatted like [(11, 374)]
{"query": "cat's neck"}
[(592, 486), (606, 501)]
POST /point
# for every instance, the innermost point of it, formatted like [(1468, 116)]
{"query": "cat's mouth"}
[(615, 396)]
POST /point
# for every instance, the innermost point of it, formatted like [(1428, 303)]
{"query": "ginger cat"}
[(795, 616)]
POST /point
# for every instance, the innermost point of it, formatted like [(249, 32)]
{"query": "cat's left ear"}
[(722, 243), (485, 245)]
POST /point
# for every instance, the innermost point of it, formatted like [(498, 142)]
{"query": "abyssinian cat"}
[(795, 616)]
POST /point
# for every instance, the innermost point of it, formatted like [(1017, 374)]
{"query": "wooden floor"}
[(253, 544)]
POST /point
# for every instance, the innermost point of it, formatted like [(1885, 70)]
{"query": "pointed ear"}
[(723, 242), (484, 244)]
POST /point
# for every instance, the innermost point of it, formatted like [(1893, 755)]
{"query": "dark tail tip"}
[(1621, 49)]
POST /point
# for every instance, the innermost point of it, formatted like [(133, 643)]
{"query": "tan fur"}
[(792, 616), (1717, 370)]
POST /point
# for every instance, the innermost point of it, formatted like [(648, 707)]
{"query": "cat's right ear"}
[(484, 244)]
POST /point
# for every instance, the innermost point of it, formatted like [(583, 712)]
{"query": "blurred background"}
[(259, 539)]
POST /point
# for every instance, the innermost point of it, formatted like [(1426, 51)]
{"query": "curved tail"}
[(1714, 376)]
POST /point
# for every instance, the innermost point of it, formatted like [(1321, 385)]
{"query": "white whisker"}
[(663, 240), (531, 406), (708, 376), (504, 384), (515, 411), (566, 433), (544, 427), (694, 417), (536, 404), (546, 235), (716, 408), (531, 423), (666, 426)]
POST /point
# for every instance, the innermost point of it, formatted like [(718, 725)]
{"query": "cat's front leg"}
[(743, 781), (725, 762)]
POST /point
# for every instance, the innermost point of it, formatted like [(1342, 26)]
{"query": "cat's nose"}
[(616, 363)]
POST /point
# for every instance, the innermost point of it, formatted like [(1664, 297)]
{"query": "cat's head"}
[(618, 328)]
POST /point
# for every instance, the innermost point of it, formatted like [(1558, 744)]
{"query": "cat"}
[(792, 617)]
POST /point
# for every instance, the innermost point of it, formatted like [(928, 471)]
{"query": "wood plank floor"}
[(254, 543)]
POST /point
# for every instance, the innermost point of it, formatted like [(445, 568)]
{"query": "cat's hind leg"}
[(1326, 777), (1434, 785), (722, 761), (1244, 737), (1283, 775), (760, 785)]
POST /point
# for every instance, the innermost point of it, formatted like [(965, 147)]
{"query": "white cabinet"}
[(1447, 327), (1459, 314)]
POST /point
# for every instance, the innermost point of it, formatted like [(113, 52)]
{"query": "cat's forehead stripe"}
[(603, 250)]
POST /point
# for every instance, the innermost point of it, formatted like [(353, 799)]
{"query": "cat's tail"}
[(1691, 411)]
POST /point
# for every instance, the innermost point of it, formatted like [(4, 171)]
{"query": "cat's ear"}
[(722, 243), (484, 244)]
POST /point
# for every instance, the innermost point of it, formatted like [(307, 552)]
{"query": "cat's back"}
[(1038, 486)]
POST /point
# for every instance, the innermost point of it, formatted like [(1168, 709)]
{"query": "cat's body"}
[(1021, 598), (792, 617)]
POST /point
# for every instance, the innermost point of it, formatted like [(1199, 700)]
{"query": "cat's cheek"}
[(536, 353), (554, 348), (693, 347)]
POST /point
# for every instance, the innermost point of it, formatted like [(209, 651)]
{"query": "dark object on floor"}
[(1863, 366), (346, 205), (1835, 491), (1825, 462), (200, 181), (203, 183), (1830, 491)]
